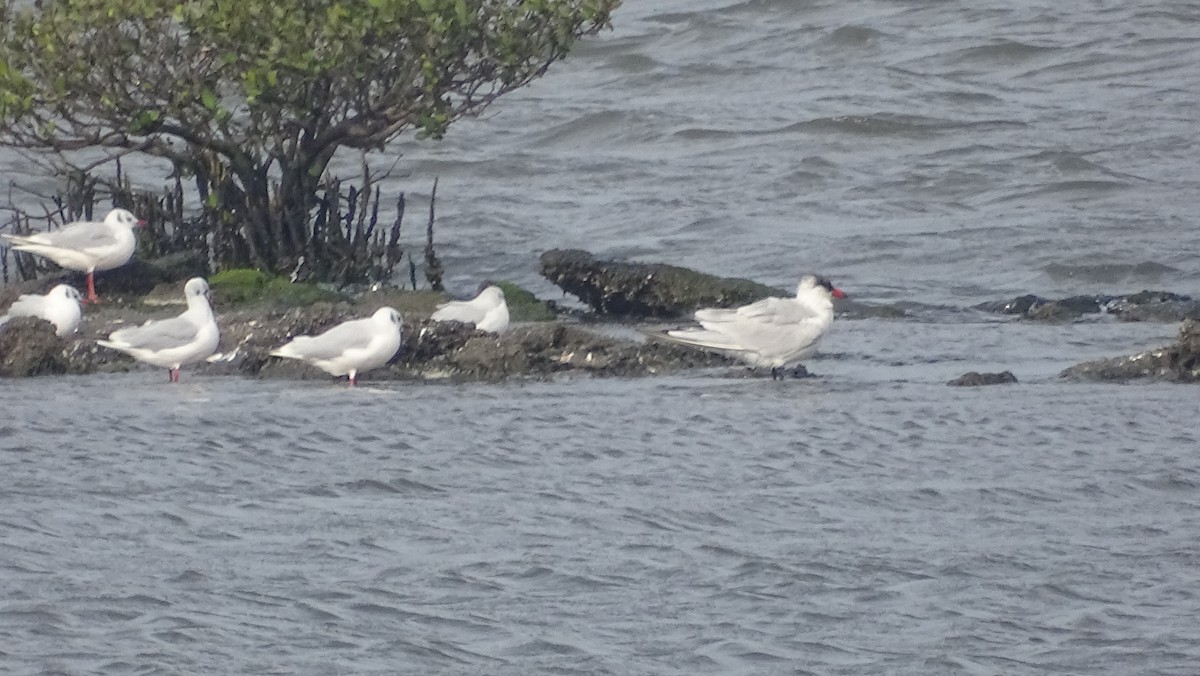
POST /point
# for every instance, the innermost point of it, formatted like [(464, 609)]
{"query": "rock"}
[(1154, 306), (544, 349), (657, 290), (975, 379), (1166, 312), (1017, 306), (1065, 309), (30, 347), (1179, 362), (645, 289), (1144, 297)]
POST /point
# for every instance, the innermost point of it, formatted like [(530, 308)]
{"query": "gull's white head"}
[(387, 314), (122, 217), (197, 289), (492, 293), (67, 292)]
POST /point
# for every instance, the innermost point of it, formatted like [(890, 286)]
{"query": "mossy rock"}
[(245, 285), (523, 306), (411, 304)]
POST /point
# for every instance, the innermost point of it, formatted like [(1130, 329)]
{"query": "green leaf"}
[(144, 120)]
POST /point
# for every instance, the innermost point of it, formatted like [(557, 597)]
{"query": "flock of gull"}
[(774, 333)]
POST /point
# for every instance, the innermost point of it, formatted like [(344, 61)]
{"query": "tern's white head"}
[(809, 283)]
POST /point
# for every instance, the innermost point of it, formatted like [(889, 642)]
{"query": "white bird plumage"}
[(85, 246), (773, 332), (175, 342), (351, 347), (60, 307), (488, 311)]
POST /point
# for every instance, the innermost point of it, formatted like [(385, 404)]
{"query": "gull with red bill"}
[(774, 332), (85, 246)]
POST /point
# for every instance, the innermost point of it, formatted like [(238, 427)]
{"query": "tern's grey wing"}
[(333, 343), (159, 335), (786, 311)]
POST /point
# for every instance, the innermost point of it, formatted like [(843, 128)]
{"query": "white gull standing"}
[(60, 307), (773, 332), (172, 343), (488, 311), (86, 246), (350, 347)]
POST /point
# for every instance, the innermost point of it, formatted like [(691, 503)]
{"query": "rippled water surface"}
[(867, 521), (674, 525)]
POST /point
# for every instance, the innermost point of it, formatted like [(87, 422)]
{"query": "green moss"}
[(242, 285), (523, 306), (239, 285)]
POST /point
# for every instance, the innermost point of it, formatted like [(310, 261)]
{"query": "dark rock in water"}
[(1179, 362), (1166, 312), (1017, 306), (1142, 306), (640, 290), (1155, 306), (1144, 297), (645, 289), (30, 347), (975, 379), (1065, 309)]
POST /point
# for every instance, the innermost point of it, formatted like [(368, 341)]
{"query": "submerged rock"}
[(624, 289), (29, 346), (1163, 306), (976, 379), (1179, 362)]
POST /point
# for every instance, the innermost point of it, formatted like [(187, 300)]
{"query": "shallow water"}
[(870, 520)]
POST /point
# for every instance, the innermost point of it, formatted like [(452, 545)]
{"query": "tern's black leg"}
[(777, 373)]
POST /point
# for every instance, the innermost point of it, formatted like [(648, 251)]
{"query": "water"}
[(868, 521), (673, 525)]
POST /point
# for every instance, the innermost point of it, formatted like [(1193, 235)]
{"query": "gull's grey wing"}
[(28, 304), (459, 311), (79, 236), (335, 342), (159, 335)]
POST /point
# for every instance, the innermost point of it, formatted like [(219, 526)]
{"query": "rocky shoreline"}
[(616, 291)]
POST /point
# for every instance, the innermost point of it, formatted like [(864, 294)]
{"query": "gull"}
[(60, 307), (171, 343), (86, 246), (773, 332), (488, 311), (350, 347)]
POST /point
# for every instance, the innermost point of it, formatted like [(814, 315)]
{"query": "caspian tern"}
[(60, 307), (488, 311), (86, 246), (773, 332), (172, 343), (350, 347)]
